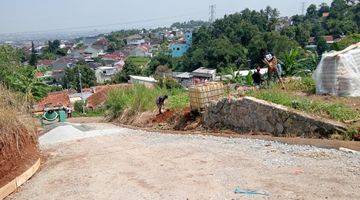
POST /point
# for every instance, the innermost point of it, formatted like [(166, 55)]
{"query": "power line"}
[(110, 24)]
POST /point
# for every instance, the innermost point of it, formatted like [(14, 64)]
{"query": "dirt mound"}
[(189, 120), (184, 119), (164, 117)]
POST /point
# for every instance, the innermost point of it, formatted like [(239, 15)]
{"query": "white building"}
[(104, 74), (149, 81)]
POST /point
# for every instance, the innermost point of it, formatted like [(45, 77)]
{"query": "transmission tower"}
[(303, 8), (212, 13)]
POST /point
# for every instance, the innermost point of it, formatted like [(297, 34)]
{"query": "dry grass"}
[(17, 128)]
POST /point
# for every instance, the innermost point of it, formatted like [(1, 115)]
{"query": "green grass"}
[(139, 61), (337, 111), (139, 99)]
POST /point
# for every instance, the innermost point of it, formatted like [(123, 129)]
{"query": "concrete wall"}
[(250, 114)]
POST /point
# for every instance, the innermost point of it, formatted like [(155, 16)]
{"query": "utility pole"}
[(212, 13), (81, 91), (303, 8)]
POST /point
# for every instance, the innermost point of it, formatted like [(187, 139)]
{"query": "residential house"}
[(135, 40), (112, 58), (185, 79), (39, 50), (104, 74), (77, 54), (203, 74), (44, 63), (79, 96), (328, 38), (63, 63), (141, 51), (94, 51), (101, 42), (119, 65), (179, 48), (59, 66), (94, 65), (54, 99), (325, 14), (148, 81), (87, 41)]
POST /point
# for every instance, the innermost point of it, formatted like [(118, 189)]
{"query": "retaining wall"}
[(251, 114)]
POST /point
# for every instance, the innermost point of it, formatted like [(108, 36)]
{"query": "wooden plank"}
[(18, 181), (28, 173), (8, 189)]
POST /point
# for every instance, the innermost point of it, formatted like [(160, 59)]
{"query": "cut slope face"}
[(18, 137)]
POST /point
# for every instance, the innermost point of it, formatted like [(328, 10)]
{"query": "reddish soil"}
[(18, 152), (164, 117), (15, 164)]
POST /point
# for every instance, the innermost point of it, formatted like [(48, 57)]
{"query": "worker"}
[(257, 78), (273, 68), (69, 112), (160, 101)]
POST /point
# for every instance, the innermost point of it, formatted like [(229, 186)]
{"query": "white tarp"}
[(338, 73)]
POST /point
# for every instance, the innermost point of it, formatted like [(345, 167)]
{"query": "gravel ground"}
[(106, 162)]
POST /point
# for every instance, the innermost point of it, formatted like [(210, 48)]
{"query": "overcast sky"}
[(46, 15)]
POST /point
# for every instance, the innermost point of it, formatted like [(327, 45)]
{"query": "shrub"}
[(305, 84), (168, 83), (79, 106), (139, 99)]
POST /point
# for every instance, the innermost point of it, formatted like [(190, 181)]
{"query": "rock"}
[(250, 114)]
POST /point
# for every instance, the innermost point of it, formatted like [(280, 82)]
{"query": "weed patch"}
[(139, 99)]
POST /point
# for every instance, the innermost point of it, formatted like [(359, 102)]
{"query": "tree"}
[(311, 12), (302, 34), (323, 8), (158, 60), (321, 45), (257, 49), (33, 56), (345, 42), (53, 46), (129, 69), (24, 80), (20, 78), (71, 78), (289, 32), (338, 9)]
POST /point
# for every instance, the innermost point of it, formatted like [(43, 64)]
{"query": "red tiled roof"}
[(55, 99), (329, 38), (39, 74), (44, 62), (101, 42), (113, 56)]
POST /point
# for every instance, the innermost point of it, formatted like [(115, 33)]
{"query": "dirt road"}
[(102, 163)]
